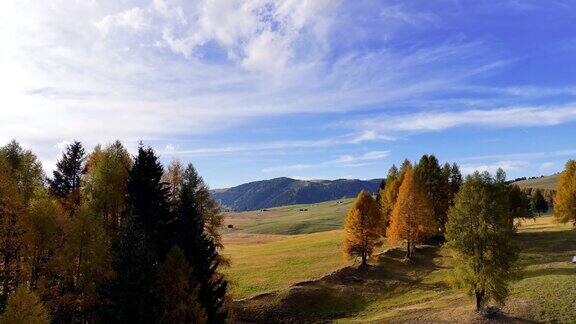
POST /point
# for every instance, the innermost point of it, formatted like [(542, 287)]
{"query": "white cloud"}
[(66, 81), (134, 18), (526, 155), (502, 117), (370, 135), (63, 144), (279, 145), (398, 12), (157, 70), (169, 148), (545, 166), (259, 34), (345, 161), (493, 167)]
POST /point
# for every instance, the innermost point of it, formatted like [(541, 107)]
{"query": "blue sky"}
[(256, 89)]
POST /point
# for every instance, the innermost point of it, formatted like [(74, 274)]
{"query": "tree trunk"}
[(364, 264), (479, 299), (5, 284), (409, 250)]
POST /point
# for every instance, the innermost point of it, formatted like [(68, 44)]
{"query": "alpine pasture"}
[(300, 275)]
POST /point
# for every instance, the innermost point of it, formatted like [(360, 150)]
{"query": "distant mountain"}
[(287, 191)]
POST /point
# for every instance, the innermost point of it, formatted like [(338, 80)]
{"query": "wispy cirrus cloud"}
[(523, 156), (276, 145), (87, 72), (344, 161), (493, 167), (547, 166), (175, 73), (442, 120)]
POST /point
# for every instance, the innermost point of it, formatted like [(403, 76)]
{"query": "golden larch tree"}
[(412, 218), (565, 199), (389, 194), (363, 229)]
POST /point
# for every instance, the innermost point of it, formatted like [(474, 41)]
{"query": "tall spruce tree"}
[(208, 208), (132, 296), (436, 186), (142, 242), (147, 198), (456, 181), (520, 204), (380, 192), (65, 183), (538, 202), (200, 249)]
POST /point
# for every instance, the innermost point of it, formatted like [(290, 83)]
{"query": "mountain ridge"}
[(287, 191)]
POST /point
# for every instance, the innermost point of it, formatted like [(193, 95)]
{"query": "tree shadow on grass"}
[(394, 266), (345, 292), (548, 242), (541, 248), (505, 318), (549, 272)]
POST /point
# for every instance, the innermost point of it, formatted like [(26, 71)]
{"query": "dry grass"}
[(548, 182)]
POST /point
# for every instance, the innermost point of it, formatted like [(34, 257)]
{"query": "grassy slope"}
[(319, 217), (545, 290), (392, 290), (548, 182), (262, 263)]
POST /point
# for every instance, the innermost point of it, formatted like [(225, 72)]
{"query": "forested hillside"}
[(287, 191)]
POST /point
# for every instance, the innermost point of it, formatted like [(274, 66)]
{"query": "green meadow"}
[(303, 277)]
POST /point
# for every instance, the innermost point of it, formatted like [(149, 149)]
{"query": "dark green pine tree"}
[(147, 199), (456, 181), (65, 183), (379, 193), (200, 249), (436, 186), (132, 296), (538, 202), (520, 205)]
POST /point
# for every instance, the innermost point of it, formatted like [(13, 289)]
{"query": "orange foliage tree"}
[(363, 229), (565, 200), (390, 192), (412, 218)]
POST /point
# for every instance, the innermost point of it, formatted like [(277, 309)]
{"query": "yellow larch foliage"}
[(363, 229), (389, 195), (565, 199), (412, 218)]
